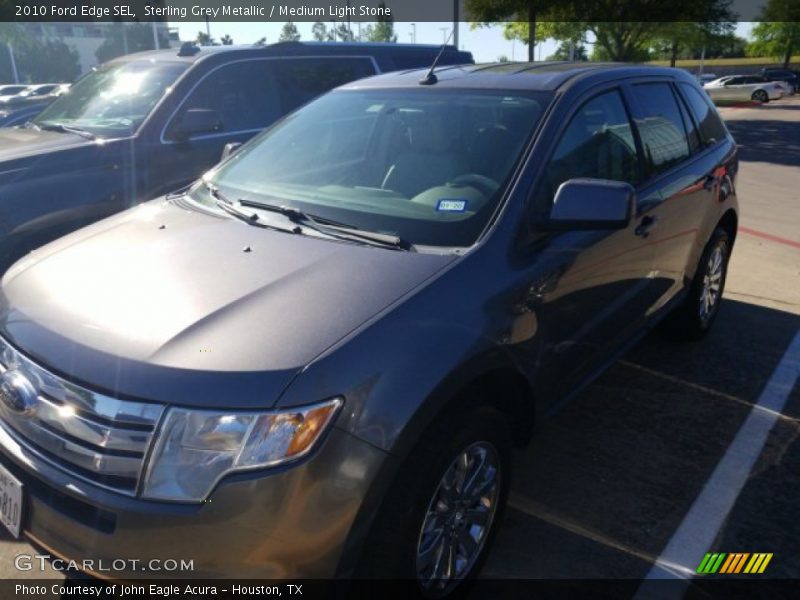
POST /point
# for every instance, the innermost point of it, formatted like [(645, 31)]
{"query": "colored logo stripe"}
[(733, 563)]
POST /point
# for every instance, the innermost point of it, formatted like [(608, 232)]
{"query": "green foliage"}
[(563, 52), (776, 40), (37, 61), (320, 32), (127, 38), (226, 40), (289, 33), (343, 34), (383, 30)]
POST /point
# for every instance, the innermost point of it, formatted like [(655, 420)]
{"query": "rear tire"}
[(760, 96), (693, 318), (447, 500)]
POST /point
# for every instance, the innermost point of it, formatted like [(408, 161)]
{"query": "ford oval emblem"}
[(17, 394)]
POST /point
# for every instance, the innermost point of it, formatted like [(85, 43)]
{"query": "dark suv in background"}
[(790, 77), (316, 361), (150, 123)]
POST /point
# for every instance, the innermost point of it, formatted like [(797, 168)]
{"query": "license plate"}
[(10, 501)]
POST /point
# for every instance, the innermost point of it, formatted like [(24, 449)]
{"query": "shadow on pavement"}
[(606, 482), (769, 141)]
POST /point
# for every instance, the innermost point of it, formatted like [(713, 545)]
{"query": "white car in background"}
[(744, 88)]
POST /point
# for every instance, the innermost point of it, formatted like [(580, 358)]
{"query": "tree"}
[(570, 51), (502, 58), (383, 30), (524, 12), (36, 60), (203, 39), (319, 32), (344, 33), (49, 60), (673, 38), (260, 42), (289, 33), (125, 38), (226, 40), (778, 34)]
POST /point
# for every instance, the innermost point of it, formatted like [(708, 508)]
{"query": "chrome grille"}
[(95, 437)]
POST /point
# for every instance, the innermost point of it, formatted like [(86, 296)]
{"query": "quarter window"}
[(597, 143), (663, 136)]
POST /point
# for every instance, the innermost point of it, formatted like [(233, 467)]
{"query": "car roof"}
[(545, 76), (191, 53)]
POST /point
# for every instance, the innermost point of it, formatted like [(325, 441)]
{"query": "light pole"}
[(414, 33), (14, 71), (444, 31)]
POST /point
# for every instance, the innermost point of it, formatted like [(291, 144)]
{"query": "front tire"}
[(441, 514), (696, 314)]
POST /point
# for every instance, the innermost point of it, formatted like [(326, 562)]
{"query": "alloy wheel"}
[(459, 518), (712, 283)]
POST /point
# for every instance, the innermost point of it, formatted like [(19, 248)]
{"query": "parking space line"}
[(768, 236), (701, 525), (707, 390)]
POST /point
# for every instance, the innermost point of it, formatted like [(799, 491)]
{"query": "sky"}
[(486, 44)]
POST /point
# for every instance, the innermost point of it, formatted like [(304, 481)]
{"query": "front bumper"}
[(288, 523)]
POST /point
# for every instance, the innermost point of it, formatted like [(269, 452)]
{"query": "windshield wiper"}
[(229, 207), (329, 227), (60, 127)]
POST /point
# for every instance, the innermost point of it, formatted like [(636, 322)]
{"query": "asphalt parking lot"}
[(615, 480)]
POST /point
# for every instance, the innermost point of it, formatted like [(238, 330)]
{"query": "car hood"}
[(169, 303), (19, 143)]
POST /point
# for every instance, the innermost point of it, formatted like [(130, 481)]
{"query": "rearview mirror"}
[(582, 204), (196, 121)]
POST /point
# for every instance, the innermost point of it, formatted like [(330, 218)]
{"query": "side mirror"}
[(584, 204), (230, 149), (196, 121)]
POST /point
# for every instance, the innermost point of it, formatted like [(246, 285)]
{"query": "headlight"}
[(195, 448)]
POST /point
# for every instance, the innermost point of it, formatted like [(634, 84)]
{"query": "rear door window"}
[(300, 80), (711, 128), (660, 126)]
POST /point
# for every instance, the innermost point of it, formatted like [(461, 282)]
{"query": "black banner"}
[(396, 10)]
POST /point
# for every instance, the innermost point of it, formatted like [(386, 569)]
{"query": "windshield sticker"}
[(451, 205)]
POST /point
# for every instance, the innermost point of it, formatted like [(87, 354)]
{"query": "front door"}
[(593, 288)]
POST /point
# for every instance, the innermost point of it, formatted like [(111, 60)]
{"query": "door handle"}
[(645, 225)]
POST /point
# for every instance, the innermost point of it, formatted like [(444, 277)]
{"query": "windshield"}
[(428, 166), (113, 100)]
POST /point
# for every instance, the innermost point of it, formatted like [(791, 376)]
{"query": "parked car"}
[(7, 92), (150, 123), (19, 115), (785, 75), (37, 93), (316, 360), (743, 88)]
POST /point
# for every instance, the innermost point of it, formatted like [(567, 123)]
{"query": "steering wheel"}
[(485, 185)]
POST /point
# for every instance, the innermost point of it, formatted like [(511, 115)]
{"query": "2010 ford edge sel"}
[(316, 361)]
